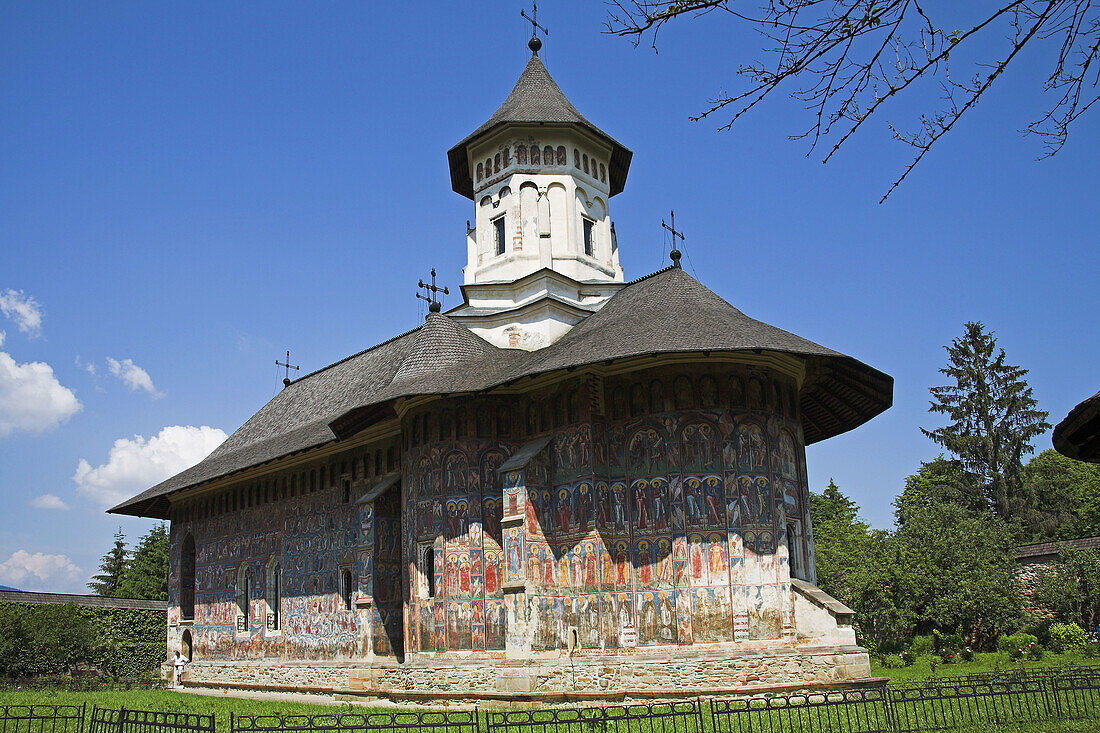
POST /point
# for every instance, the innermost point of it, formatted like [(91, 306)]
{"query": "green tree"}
[(1064, 495), (43, 640), (1072, 588), (147, 574), (840, 542), (992, 420), (955, 566), (853, 565), (112, 568)]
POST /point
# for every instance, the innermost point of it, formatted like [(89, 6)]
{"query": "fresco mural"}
[(656, 516)]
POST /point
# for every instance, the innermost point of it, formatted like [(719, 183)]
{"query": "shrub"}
[(923, 645), (908, 657), (967, 654), (1092, 649), (947, 644), (1069, 638), (893, 661), (1034, 651), (1016, 645)]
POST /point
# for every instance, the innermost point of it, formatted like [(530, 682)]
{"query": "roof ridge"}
[(358, 353), (653, 274)]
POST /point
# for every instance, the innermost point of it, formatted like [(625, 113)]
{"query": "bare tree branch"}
[(845, 59)]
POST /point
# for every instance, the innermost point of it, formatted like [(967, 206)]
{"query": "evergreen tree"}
[(112, 569), (147, 575), (992, 420)]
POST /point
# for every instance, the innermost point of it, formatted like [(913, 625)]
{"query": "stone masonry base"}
[(552, 678)]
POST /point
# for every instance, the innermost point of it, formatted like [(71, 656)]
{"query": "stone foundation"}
[(553, 678)]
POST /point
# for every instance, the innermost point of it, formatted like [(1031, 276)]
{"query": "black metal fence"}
[(664, 717), (939, 704), (104, 720), (42, 718), (456, 721)]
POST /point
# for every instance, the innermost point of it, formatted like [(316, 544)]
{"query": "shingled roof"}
[(1078, 435), (536, 98), (666, 312)]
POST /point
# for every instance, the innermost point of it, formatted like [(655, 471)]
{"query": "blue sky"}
[(189, 190)]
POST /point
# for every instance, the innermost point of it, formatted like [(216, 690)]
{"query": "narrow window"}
[(795, 551), (498, 228), (588, 236), (347, 491), (273, 603), (429, 570), (347, 590), (187, 578)]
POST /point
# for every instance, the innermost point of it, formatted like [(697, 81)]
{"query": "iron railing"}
[(843, 711), (940, 704), (426, 721), (104, 720), (685, 716), (42, 718)]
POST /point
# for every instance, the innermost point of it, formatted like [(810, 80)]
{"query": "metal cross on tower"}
[(675, 253), (534, 44), (431, 290), (288, 366)]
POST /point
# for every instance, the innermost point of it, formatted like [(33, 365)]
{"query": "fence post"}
[(121, 717), (232, 725), (477, 720)]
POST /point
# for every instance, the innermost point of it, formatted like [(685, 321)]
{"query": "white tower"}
[(542, 254)]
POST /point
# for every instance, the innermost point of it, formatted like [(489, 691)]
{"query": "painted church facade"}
[(563, 484)]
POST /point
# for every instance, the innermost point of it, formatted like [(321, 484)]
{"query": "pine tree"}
[(147, 576), (993, 418), (112, 569)]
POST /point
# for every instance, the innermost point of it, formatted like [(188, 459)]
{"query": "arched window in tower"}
[(548, 155), (521, 155), (576, 158), (187, 578), (498, 234), (534, 155), (496, 163), (603, 174), (584, 159), (488, 167), (589, 236), (480, 172), (507, 157), (561, 156)]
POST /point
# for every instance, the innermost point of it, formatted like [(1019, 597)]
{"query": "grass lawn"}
[(982, 663), (171, 701)]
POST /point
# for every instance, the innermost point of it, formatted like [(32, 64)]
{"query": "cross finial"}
[(534, 44), (288, 366), (431, 290), (675, 253)]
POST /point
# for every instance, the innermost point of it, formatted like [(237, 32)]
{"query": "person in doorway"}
[(178, 664)]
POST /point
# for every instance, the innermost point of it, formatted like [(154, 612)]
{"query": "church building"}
[(568, 483)]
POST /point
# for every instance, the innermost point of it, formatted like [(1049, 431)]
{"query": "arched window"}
[(274, 592), (576, 158), (584, 158), (187, 578), (534, 154), (244, 592), (521, 155), (347, 590), (560, 155), (603, 174), (480, 171), (548, 155), (429, 570)]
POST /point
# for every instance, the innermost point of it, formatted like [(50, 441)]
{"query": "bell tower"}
[(542, 253)]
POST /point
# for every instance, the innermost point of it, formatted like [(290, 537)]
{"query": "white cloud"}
[(40, 571), (86, 366), (49, 501), (132, 376), (135, 465), (31, 398), (23, 310)]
